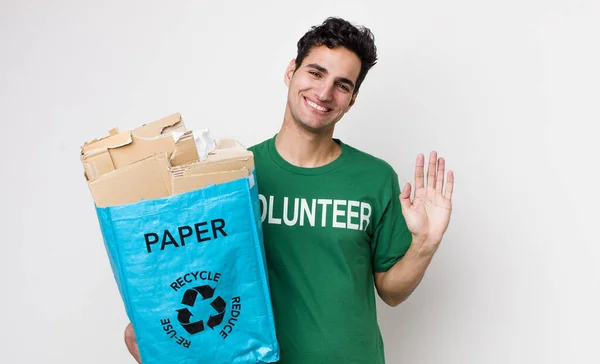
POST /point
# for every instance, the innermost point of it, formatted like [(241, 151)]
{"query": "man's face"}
[(321, 90)]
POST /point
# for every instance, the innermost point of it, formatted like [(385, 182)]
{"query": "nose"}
[(324, 92)]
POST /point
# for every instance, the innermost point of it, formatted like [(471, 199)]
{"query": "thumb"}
[(405, 197)]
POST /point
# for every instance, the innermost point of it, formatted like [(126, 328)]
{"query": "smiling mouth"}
[(316, 107)]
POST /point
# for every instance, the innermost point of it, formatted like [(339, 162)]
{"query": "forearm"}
[(398, 283)]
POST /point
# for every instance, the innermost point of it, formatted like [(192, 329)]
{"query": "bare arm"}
[(399, 282), (427, 217)]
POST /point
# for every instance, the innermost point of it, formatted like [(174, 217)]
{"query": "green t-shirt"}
[(326, 230)]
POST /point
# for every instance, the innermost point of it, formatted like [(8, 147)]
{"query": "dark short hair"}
[(337, 32)]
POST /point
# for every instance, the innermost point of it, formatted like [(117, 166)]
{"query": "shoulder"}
[(368, 162), (260, 148)]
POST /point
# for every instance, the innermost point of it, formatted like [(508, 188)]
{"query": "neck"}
[(304, 148)]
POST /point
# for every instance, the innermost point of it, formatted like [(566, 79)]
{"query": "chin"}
[(317, 128)]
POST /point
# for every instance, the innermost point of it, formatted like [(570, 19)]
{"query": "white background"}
[(508, 91)]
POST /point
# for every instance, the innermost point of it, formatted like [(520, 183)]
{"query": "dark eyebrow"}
[(324, 70)]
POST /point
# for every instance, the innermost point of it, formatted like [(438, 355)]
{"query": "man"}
[(335, 223)]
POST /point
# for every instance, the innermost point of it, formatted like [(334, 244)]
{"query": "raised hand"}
[(428, 214)]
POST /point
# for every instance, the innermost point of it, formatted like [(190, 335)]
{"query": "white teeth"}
[(320, 108)]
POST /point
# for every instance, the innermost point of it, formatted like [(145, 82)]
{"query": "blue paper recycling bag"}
[(191, 272)]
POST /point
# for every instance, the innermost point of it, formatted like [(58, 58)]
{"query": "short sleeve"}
[(391, 237)]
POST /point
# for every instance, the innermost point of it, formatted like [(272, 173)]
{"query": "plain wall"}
[(507, 91)]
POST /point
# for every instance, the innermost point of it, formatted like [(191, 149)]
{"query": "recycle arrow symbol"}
[(219, 305), (189, 297), (183, 316)]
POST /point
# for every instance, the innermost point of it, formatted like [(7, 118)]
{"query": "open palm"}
[(428, 214)]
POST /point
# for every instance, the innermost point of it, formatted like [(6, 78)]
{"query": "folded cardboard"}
[(158, 159)]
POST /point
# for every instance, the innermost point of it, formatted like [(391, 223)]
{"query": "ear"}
[(289, 72)]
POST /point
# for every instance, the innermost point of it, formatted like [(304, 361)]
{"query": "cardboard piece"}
[(155, 161)]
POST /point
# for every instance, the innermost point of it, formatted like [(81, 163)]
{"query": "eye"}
[(343, 87), (315, 74)]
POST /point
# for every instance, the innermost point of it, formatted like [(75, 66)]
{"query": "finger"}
[(439, 180), (449, 185), (431, 169), (405, 197), (419, 173)]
